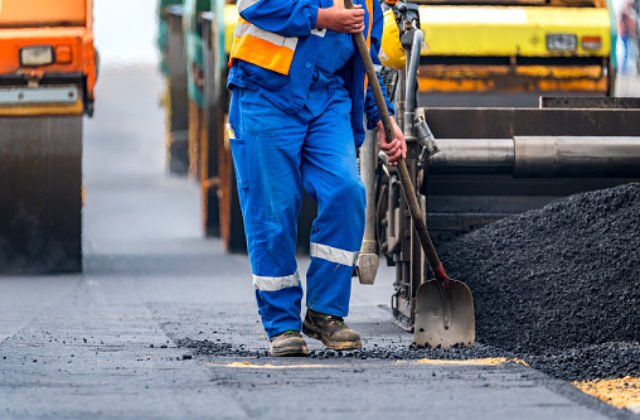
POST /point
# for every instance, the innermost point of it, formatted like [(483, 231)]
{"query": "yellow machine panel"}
[(512, 31)]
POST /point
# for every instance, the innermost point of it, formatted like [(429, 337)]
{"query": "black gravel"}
[(558, 285), (613, 360), (390, 352)]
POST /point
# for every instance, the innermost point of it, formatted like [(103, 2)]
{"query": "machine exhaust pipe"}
[(368, 261)]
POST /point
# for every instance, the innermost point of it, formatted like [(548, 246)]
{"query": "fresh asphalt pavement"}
[(105, 343)]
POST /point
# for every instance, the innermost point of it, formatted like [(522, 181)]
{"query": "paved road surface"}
[(104, 344)]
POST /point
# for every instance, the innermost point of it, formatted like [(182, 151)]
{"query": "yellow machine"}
[(510, 54)]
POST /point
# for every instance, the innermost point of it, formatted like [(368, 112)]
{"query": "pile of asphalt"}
[(559, 286)]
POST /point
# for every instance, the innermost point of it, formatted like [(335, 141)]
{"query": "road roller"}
[(48, 71)]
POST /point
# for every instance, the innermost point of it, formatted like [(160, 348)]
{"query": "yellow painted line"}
[(488, 361), (248, 365), (494, 361), (620, 393)]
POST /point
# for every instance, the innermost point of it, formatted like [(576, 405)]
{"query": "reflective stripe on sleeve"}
[(334, 255), (262, 48), (275, 39), (273, 284)]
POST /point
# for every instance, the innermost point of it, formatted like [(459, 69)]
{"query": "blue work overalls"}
[(277, 152)]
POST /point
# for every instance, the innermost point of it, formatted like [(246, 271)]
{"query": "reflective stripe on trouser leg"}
[(334, 255), (269, 186), (330, 175)]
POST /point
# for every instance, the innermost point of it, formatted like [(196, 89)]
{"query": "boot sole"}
[(343, 345), (290, 351)]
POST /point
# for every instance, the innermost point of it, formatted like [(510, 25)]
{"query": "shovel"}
[(444, 310)]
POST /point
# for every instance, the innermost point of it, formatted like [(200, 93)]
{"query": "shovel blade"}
[(444, 316)]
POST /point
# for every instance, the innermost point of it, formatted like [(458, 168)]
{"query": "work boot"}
[(289, 343), (331, 330)]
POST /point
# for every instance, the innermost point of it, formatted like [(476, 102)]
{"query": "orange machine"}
[(47, 48), (48, 71)]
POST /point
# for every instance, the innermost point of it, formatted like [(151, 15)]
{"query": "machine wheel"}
[(41, 195)]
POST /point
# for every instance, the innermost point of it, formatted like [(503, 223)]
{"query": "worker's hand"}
[(396, 148), (339, 19)]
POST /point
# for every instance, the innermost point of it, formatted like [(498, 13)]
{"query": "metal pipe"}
[(540, 156), (412, 70), (568, 156), (474, 156), (411, 86)]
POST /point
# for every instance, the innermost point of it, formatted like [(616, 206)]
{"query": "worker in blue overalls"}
[(299, 97)]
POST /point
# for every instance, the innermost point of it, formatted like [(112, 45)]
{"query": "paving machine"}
[(48, 71), (473, 166)]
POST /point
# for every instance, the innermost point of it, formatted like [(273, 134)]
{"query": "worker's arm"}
[(394, 148), (284, 17), (299, 17)]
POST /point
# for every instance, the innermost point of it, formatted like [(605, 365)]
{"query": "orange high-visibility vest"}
[(262, 48), (269, 50)]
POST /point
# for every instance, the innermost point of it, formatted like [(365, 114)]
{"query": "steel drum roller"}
[(40, 194)]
